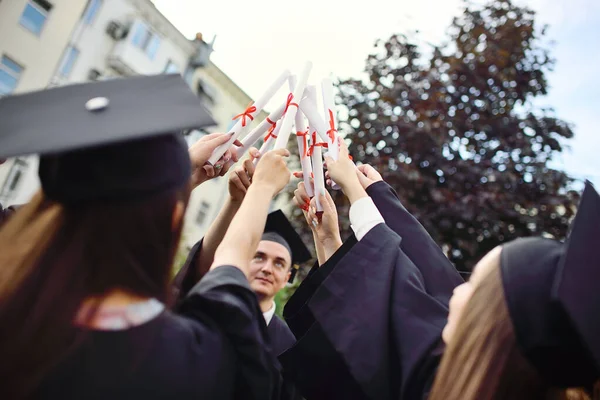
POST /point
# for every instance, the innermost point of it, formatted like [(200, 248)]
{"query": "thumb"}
[(329, 161)]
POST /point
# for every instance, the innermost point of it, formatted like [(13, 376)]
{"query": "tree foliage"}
[(454, 130)]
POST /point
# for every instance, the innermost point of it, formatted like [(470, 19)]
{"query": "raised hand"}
[(367, 175), (200, 153), (241, 177), (342, 170), (271, 172)]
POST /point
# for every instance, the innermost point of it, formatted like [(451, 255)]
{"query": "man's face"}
[(270, 269)]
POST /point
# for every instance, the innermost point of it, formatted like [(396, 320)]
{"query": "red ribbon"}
[(289, 102), (272, 124), (332, 131), (270, 134), (246, 114), (271, 129), (304, 143), (315, 144)]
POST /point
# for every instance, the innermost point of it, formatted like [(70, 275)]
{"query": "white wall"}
[(40, 57), (97, 47)]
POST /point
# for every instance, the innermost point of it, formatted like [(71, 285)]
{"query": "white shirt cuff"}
[(364, 216)]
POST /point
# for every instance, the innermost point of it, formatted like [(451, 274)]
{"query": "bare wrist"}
[(355, 192), (333, 241), (264, 188)]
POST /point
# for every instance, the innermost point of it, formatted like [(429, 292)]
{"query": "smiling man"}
[(274, 264)]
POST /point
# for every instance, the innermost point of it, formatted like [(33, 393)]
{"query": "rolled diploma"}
[(238, 129), (260, 130), (317, 163), (331, 118), (288, 118), (308, 106), (303, 146), (268, 144)]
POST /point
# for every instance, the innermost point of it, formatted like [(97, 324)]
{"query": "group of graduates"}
[(89, 308)]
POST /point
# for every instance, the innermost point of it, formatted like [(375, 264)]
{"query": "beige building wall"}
[(39, 55)]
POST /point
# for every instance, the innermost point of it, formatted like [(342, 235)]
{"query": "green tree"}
[(454, 129)]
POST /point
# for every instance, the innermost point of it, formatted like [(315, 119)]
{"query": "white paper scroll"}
[(316, 154), (302, 137), (290, 114), (317, 163), (269, 141), (330, 118), (255, 135), (247, 116), (308, 106)]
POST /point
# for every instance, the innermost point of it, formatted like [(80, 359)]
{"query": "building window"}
[(10, 72), (35, 15), (171, 68), (68, 61), (146, 40), (14, 179), (202, 213), (207, 93), (91, 11)]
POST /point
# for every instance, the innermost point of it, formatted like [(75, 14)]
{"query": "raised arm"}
[(239, 182), (239, 244), (325, 230)]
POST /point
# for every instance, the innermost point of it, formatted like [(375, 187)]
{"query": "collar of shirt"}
[(268, 315)]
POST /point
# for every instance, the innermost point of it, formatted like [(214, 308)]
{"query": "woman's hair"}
[(482, 360), (54, 256)]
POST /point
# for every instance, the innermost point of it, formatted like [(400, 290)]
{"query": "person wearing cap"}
[(275, 262), (523, 327), (85, 265)]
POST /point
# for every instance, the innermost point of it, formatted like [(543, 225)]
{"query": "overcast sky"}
[(257, 39)]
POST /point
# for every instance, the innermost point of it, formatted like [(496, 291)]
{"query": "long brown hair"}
[(53, 256), (482, 360)]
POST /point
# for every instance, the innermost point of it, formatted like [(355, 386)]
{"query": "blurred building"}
[(33, 37), (49, 43)]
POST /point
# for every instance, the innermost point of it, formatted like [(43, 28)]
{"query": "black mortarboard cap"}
[(117, 139), (553, 300), (280, 230)]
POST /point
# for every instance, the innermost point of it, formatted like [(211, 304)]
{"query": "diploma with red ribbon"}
[(315, 153), (247, 116), (265, 126), (292, 107), (302, 137)]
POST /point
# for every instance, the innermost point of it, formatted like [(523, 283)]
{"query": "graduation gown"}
[(369, 320), (214, 348), (280, 337)]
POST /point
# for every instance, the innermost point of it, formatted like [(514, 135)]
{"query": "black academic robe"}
[(369, 320), (280, 336), (213, 348)]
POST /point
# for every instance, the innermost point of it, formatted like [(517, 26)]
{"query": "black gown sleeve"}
[(225, 296), (187, 276), (439, 275), (371, 330)]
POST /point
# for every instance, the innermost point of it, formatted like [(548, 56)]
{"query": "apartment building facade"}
[(51, 43)]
